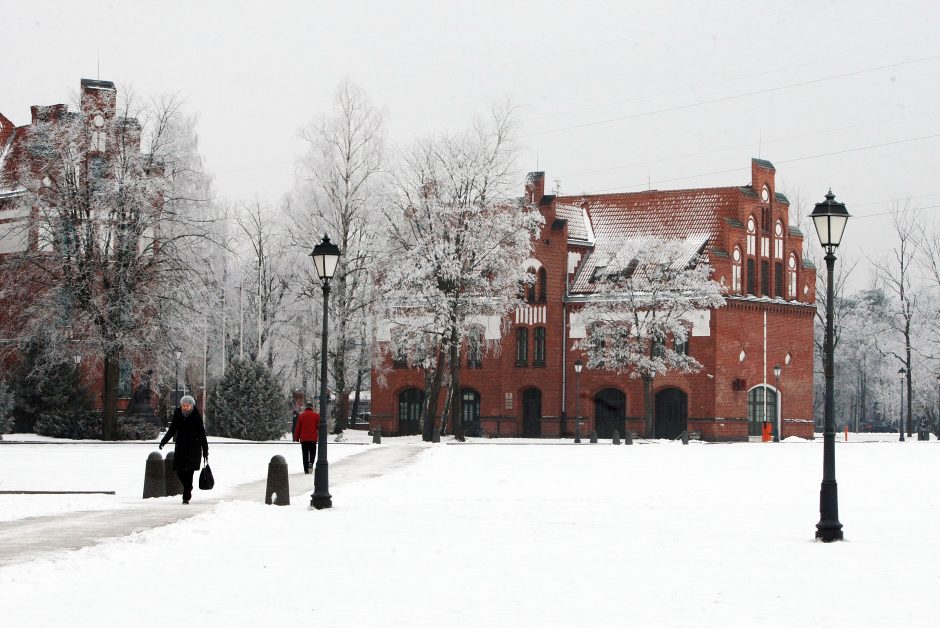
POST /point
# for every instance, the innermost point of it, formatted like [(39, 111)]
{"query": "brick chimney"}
[(6, 130), (535, 187), (99, 96)]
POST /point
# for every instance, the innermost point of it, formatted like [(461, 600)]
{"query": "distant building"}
[(531, 389)]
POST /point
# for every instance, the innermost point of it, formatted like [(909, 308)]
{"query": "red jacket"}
[(307, 422)]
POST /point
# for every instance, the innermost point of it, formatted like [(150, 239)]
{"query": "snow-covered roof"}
[(579, 225)]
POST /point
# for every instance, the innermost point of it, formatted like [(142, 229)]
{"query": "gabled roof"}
[(694, 216), (579, 228)]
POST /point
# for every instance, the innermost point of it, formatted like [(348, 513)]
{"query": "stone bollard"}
[(628, 438), (577, 432), (685, 438), (377, 435), (277, 482), (594, 436), (154, 476), (615, 440), (436, 435), (172, 481)]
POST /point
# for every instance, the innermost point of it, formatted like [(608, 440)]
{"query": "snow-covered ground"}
[(509, 533)]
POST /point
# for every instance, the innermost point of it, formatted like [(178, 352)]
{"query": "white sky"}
[(613, 96)]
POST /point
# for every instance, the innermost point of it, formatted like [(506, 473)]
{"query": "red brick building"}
[(23, 230), (531, 388)]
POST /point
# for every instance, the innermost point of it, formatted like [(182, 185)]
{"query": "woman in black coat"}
[(190, 443)]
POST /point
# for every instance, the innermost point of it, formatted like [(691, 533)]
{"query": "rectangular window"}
[(682, 346), (522, 346), (539, 348), (475, 351), (125, 370), (778, 280), (751, 279), (765, 278), (736, 278)]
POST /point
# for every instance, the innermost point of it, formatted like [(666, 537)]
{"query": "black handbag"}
[(206, 481)]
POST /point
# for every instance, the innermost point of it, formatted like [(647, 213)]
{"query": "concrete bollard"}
[(377, 435), (436, 435), (628, 438), (172, 481), (685, 438), (594, 436), (277, 482), (154, 476), (577, 432), (615, 440)]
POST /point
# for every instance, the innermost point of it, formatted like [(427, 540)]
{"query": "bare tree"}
[(640, 315), (456, 247)]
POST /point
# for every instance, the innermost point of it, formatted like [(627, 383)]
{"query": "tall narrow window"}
[(751, 279), (475, 349), (522, 346), (539, 347), (543, 285), (681, 346), (778, 279), (765, 278), (791, 276), (751, 236), (736, 269), (778, 240), (530, 287)]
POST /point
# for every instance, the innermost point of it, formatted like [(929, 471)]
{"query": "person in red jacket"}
[(305, 432)]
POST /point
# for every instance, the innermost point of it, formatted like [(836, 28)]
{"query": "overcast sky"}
[(613, 96)]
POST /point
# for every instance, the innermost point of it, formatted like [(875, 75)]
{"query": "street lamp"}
[(901, 373), (778, 420), (325, 257), (578, 365), (830, 219), (77, 358), (178, 355)]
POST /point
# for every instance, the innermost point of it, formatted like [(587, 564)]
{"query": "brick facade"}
[(767, 321)]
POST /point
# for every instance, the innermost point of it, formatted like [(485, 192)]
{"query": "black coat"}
[(191, 443)]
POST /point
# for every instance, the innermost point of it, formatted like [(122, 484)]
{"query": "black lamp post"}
[(77, 358), (830, 219), (325, 257), (178, 355), (778, 420), (578, 365), (901, 374)]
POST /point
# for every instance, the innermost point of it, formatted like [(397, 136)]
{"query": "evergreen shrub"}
[(248, 404)]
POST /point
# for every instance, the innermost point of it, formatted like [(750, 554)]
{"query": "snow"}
[(510, 533)]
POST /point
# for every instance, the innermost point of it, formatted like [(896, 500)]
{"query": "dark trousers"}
[(308, 449), (186, 479)]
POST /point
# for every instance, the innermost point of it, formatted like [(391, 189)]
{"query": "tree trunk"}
[(455, 414), (648, 406), (434, 393), (355, 403), (109, 396)]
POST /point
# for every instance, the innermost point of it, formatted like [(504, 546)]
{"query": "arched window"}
[(736, 269), (538, 348), (778, 240), (543, 285), (522, 346), (791, 276), (530, 286), (751, 236)]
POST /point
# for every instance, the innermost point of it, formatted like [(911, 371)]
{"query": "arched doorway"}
[(532, 413), (761, 406), (470, 412), (672, 413), (410, 411), (610, 413)]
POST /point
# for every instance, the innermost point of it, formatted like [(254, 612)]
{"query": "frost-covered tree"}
[(337, 193), (456, 247), (114, 194), (248, 403), (643, 307)]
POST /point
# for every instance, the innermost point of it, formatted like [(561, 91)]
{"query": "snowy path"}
[(25, 539)]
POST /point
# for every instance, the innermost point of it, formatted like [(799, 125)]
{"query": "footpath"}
[(25, 539)]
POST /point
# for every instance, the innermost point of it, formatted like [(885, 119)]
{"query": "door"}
[(532, 413), (610, 413), (410, 411), (672, 413)]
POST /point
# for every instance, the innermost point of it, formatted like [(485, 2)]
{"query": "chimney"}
[(50, 113), (535, 187), (6, 130)]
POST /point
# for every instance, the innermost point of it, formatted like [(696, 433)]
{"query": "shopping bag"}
[(206, 481)]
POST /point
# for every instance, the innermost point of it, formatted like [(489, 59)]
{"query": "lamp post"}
[(176, 390), (901, 373), (578, 365), (830, 219), (77, 358), (325, 257), (778, 420)]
